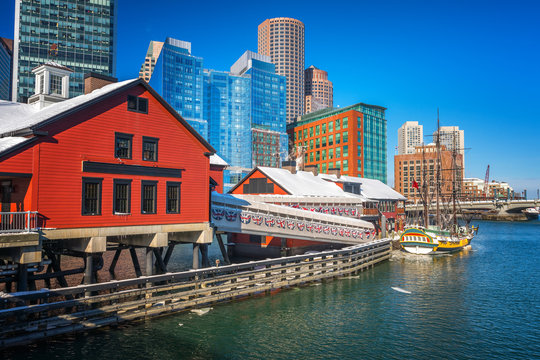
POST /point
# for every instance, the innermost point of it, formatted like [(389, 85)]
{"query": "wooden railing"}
[(29, 316), (22, 221)]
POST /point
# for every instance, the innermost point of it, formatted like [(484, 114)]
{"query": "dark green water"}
[(479, 304)]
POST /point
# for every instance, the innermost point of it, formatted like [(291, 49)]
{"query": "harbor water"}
[(483, 303)]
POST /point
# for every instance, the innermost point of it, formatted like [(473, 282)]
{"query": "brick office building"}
[(411, 169), (352, 139)]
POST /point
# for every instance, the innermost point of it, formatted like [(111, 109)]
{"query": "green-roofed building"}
[(352, 139)]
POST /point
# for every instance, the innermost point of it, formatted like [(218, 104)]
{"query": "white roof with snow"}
[(217, 160), (303, 183), (370, 188), (16, 116), (9, 142)]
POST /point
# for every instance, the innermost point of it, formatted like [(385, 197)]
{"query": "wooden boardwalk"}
[(26, 317)]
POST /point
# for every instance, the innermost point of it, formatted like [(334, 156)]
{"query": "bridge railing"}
[(262, 218)]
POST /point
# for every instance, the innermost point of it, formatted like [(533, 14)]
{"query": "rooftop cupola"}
[(52, 84)]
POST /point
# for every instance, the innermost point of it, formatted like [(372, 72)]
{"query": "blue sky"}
[(477, 61)]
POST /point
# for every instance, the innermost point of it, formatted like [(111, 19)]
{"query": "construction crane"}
[(486, 183)]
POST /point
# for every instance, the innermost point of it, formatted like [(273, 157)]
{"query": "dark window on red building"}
[(258, 186), (148, 198), (137, 104), (91, 196), (122, 145), (150, 149), (173, 197), (122, 196)]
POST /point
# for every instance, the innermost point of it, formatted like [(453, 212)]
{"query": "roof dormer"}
[(52, 84)]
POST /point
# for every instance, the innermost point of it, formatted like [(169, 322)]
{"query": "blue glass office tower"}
[(228, 109), (242, 113), (5, 68), (79, 34), (268, 108), (178, 78)]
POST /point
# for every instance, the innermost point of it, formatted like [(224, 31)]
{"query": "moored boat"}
[(422, 241), (531, 213)]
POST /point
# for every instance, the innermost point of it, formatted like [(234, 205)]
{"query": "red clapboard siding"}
[(89, 135), (18, 162), (216, 173)]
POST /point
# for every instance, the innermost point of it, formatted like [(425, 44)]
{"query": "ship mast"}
[(438, 184), (454, 178), (425, 185)]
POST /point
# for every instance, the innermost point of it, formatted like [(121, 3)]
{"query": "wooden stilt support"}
[(55, 264), (22, 277), (149, 261), (204, 255), (89, 269), (47, 280), (114, 261), (223, 250), (136, 265), (195, 256), (168, 253), (160, 265)]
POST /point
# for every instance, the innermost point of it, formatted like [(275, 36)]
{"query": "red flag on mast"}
[(415, 184)]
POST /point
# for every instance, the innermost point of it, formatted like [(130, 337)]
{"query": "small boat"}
[(531, 213)]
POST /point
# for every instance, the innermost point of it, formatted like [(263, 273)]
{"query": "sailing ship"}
[(445, 234)]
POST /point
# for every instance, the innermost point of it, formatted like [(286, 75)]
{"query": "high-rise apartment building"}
[(282, 39), (268, 108), (452, 138), (410, 135), (319, 91), (75, 33), (178, 78), (352, 139), (414, 171), (6, 56), (152, 54)]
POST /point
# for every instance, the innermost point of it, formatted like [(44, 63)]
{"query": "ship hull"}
[(421, 242)]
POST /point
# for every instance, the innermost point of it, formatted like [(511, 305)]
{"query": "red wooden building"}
[(117, 164), (331, 194), (296, 189)]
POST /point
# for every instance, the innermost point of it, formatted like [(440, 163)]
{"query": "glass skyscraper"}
[(268, 108), (178, 78), (5, 68), (242, 113), (79, 34), (227, 105)]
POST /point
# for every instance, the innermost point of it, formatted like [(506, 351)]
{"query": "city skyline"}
[(466, 59)]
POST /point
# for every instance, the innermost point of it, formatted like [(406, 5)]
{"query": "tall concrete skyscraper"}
[(282, 39), (152, 55), (410, 135), (319, 91), (78, 34)]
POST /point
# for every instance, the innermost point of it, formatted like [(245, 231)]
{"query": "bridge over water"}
[(498, 207)]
